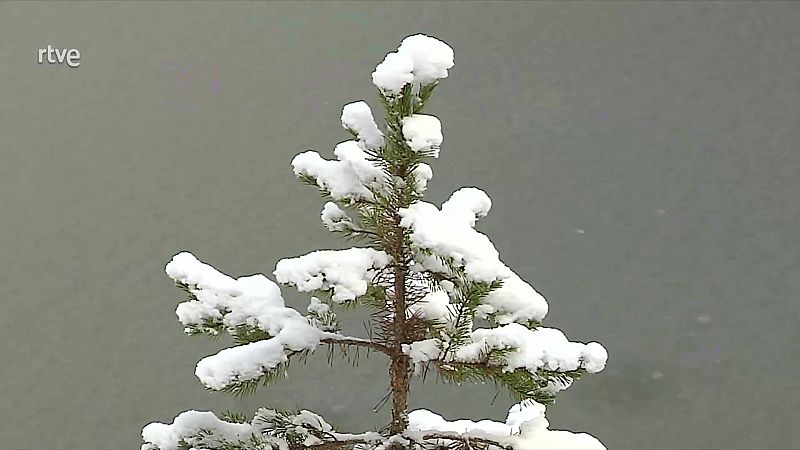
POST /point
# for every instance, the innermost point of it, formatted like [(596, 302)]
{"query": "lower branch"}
[(466, 439), (340, 441), (421, 438), (335, 339)]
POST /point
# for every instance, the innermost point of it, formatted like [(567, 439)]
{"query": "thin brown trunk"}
[(399, 368), (399, 374)]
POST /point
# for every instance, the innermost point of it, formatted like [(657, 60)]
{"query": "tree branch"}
[(340, 441), (466, 439), (337, 339)]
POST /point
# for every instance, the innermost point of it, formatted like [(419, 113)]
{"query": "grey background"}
[(642, 158)]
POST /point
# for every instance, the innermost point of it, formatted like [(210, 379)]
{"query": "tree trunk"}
[(399, 369), (399, 384)]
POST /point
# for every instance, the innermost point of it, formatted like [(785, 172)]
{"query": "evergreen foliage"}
[(392, 296)]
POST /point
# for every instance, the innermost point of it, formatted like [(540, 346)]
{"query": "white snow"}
[(434, 306), (357, 117), (345, 272), (349, 178), (396, 70), (515, 301), (422, 175), (312, 420), (351, 153), (432, 57), (420, 59), (334, 218), (242, 363), (255, 301), (542, 348), (423, 351), (316, 306), (184, 267), (422, 420), (525, 428), (449, 232), (187, 425), (594, 357), (523, 412), (468, 205), (423, 133)]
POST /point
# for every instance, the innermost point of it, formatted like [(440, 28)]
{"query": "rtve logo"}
[(55, 56)]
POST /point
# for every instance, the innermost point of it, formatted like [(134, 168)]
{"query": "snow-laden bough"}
[(525, 428)]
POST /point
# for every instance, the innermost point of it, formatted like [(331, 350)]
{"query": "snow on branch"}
[(357, 119), (434, 306), (188, 427), (220, 301), (352, 177), (269, 429), (235, 367), (252, 306), (422, 175), (449, 233), (525, 428), (468, 205), (423, 134), (514, 301), (335, 219), (420, 60), (345, 272), (540, 348)]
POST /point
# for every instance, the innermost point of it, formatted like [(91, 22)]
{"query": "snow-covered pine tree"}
[(441, 299)]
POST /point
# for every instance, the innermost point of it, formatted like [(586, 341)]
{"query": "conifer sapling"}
[(441, 299)]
